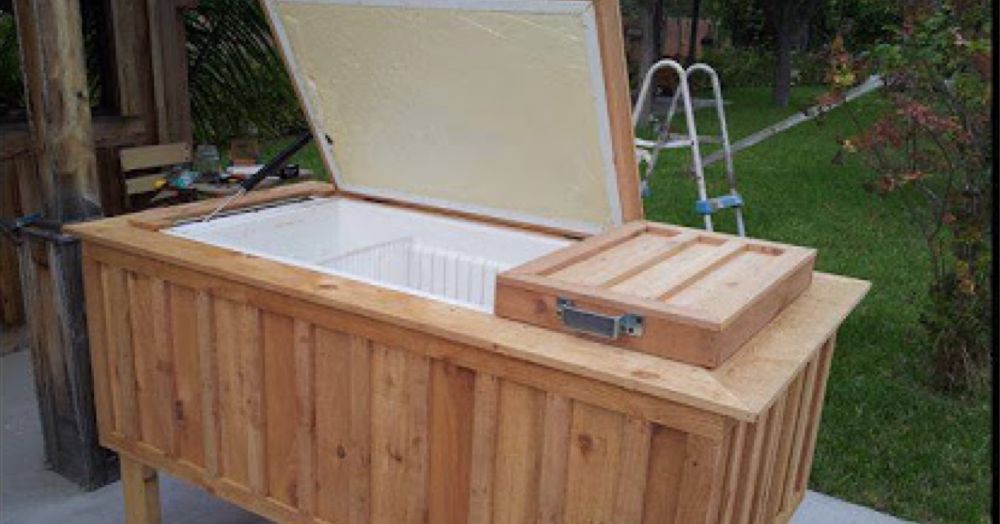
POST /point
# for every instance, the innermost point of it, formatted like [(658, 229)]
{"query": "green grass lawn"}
[(887, 440)]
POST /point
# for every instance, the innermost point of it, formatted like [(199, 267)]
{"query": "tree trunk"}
[(648, 53), (783, 68), (693, 37)]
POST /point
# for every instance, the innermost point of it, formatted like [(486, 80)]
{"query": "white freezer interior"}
[(448, 259)]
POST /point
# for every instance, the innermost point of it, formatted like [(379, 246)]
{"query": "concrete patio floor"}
[(30, 494)]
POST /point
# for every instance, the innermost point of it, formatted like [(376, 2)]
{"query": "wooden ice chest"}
[(330, 353)]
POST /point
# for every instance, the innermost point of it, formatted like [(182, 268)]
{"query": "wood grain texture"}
[(187, 358), (594, 464), (631, 483), (343, 403), (121, 354), (664, 476), (518, 453), (400, 388), (281, 409), (208, 358), (555, 458), (812, 428), (452, 399), (612, 49), (160, 155), (99, 345), (702, 480), (486, 398), (141, 492)]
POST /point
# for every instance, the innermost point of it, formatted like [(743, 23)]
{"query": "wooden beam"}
[(66, 189), (168, 47), (109, 131), (50, 33)]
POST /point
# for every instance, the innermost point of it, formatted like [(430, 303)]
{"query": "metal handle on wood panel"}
[(599, 324)]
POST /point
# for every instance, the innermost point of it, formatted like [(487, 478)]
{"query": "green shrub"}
[(754, 67), (935, 149)]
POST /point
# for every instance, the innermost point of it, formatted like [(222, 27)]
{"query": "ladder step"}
[(711, 205), (669, 144)]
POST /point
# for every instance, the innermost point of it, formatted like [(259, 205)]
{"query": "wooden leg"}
[(142, 492)]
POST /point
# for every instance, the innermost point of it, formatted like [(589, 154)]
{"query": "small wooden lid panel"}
[(717, 290)]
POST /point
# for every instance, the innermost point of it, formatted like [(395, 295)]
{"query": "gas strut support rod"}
[(269, 169)]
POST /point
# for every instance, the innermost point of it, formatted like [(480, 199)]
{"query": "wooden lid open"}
[(516, 110)]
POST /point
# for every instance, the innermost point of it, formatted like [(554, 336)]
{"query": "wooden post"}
[(50, 34), (141, 488), (170, 74), (51, 42)]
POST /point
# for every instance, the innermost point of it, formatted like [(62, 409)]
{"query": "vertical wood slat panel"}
[(594, 463), (164, 385), (333, 425), (726, 452), (753, 451), (451, 425), (664, 475), (815, 415), (788, 425), (702, 479), (798, 439), (253, 395), (555, 458), (484, 436), (209, 374), (342, 371), (99, 345), (120, 351), (360, 433), (233, 422), (400, 387), (280, 423), (187, 412), (518, 453), (305, 416), (764, 480), (140, 305), (636, 440), (733, 468), (152, 350)]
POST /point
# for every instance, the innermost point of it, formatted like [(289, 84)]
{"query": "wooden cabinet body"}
[(308, 398)]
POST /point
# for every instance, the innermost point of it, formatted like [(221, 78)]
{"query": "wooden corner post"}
[(50, 34)]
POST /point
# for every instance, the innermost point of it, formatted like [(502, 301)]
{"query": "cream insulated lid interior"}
[(490, 107)]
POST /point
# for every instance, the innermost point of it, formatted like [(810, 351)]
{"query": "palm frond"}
[(236, 76)]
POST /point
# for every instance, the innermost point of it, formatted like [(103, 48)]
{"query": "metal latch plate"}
[(598, 324)]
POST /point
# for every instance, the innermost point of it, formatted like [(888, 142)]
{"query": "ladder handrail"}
[(683, 91), (727, 150)]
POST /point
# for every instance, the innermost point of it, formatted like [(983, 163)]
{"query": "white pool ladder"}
[(649, 150)]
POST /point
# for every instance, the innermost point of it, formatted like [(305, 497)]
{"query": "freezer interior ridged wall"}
[(496, 108), (438, 257)]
